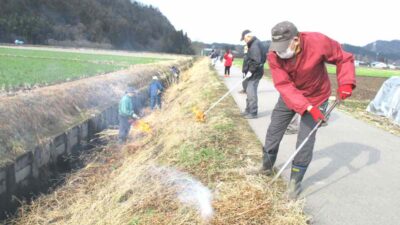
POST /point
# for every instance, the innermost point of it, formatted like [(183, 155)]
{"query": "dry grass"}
[(132, 186), (357, 109), (26, 120)]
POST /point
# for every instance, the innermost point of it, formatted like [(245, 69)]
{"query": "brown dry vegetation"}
[(27, 119), (367, 88), (121, 186)]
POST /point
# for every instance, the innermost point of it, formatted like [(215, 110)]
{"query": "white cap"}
[(155, 78)]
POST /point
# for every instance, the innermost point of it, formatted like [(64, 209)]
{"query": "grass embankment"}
[(25, 68), (135, 185), (357, 109)]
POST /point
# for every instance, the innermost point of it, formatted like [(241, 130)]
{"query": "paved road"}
[(354, 177)]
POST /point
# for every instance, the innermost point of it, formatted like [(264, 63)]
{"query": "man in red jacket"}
[(297, 64)]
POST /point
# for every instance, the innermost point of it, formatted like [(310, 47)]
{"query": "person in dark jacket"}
[(214, 55), (297, 64), (155, 91), (126, 112), (176, 72), (255, 65)]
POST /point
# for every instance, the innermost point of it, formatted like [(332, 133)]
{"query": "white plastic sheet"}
[(387, 100)]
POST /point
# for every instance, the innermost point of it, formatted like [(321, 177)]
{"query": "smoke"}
[(189, 191)]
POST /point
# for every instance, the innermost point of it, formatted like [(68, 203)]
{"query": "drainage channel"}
[(40, 171)]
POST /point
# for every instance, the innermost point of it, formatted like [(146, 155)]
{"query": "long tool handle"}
[(226, 94), (305, 141)]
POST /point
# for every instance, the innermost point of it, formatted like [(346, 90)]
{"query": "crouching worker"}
[(297, 64), (126, 114), (155, 91), (176, 72)]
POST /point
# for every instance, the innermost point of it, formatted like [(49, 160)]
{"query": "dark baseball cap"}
[(281, 35), (244, 34)]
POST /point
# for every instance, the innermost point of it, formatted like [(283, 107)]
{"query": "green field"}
[(360, 71), (19, 67), (368, 72)]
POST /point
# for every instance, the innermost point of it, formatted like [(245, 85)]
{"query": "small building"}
[(206, 51), (379, 65)]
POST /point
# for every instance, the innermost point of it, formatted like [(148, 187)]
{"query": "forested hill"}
[(120, 24)]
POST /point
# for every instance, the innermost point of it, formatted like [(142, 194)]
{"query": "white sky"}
[(347, 21)]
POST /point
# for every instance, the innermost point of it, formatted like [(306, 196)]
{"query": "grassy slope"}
[(28, 67), (122, 188)]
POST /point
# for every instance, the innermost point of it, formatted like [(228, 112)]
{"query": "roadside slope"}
[(142, 184)]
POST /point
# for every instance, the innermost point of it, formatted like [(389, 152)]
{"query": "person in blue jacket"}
[(126, 113), (155, 91)]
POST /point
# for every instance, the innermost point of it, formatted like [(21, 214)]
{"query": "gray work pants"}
[(244, 84), (124, 128), (252, 98), (280, 119)]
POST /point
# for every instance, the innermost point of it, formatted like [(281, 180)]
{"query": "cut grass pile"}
[(25, 68), (135, 185)]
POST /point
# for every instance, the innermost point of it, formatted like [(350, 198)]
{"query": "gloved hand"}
[(246, 75), (316, 114), (135, 116), (344, 91)]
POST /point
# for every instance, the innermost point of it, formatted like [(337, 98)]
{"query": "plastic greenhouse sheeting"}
[(387, 100)]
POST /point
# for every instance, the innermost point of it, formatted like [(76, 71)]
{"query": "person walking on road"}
[(214, 55), (297, 64), (126, 113), (255, 60), (228, 57), (155, 91)]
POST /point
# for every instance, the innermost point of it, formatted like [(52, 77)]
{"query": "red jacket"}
[(228, 59), (303, 80)]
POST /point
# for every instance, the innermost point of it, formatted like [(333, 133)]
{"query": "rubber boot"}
[(268, 161), (296, 176)]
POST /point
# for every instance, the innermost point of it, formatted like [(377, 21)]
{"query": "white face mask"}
[(289, 53)]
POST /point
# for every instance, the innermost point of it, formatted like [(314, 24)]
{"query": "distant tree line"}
[(120, 24)]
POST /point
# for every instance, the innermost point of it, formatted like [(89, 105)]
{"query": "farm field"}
[(23, 68), (360, 71)]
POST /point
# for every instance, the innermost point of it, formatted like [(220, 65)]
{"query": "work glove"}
[(344, 91), (135, 116), (316, 114), (246, 75)]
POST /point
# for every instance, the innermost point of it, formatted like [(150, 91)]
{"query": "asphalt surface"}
[(354, 177)]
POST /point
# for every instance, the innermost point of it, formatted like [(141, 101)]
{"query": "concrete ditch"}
[(30, 173)]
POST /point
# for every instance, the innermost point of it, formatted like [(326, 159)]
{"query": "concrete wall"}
[(22, 177)]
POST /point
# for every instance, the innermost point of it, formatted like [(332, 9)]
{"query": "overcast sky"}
[(347, 21)]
